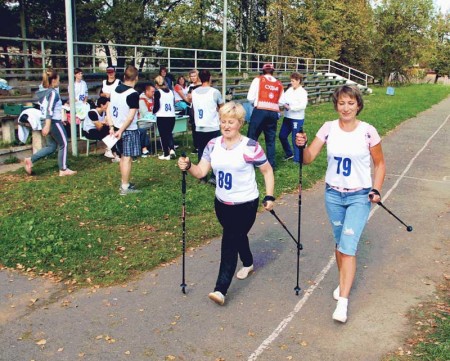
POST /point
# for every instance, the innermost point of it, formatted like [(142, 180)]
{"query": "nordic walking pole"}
[(300, 181), (283, 225), (408, 228), (183, 223)]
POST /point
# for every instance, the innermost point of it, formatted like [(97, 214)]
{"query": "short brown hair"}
[(297, 76), (353, 92), (131, 73)]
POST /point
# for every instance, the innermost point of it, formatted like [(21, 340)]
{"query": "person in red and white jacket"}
[(265, 92)]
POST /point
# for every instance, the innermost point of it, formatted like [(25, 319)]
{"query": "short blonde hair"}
[(233, 110), (159, 80)]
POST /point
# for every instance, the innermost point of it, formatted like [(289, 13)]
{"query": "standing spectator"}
[(180, 92), (294, 101), (233, 159), (53, 130), (194, 84), (351, 145), (81, 89), (206, 102), (167, 77), (109, 84), (265, 92), (122, 120), (164, 109)]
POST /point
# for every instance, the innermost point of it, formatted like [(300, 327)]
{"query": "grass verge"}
[(79, 229), (429, 339)]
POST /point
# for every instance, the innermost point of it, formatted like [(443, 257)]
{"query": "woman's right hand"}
[(301, 139), (184, 163)]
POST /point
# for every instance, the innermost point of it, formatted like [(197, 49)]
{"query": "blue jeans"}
[(264, 121), (348, 213), (57, 138), (290, 126)]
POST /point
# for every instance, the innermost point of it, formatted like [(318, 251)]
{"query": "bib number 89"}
[(225, 180)]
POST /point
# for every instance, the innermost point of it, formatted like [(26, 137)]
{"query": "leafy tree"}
[(440, 55), (402, 32)]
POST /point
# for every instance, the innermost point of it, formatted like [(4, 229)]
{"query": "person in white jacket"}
[(294, 101)]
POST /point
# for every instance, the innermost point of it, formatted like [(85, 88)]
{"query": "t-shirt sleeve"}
[(254, 153), (218, 97), (323, 132), (373, 136), (133, 100), (93, 115)]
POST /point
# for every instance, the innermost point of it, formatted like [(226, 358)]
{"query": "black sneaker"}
[(287, 158), (212, 181), (194, 151)]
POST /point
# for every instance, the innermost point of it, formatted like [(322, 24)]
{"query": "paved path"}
[(263, 319)]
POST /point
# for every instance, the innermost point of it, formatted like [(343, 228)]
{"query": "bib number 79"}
[(344, 165)]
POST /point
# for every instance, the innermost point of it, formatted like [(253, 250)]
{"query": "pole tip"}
[(409, 228)]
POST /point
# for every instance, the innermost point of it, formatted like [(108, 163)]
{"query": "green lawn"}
[(79, 228)]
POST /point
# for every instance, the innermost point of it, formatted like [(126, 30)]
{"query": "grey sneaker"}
[(217, 297), (129, 190)]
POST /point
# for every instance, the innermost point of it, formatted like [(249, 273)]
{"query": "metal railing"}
[(93, 58)]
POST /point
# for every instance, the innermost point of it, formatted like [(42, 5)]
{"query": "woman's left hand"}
[(268, 205), (374, 196)]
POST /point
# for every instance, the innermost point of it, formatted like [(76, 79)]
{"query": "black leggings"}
[(236, 220), (165, 128)]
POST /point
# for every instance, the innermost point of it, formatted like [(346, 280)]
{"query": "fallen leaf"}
[(41, 342)]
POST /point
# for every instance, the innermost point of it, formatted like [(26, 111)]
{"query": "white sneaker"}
[(217, 297), (340, 313), (115, 159), (162, 157), (109, 154), (244, 272), (336, 293), (172, 154)]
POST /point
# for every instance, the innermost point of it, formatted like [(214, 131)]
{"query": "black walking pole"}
[(408, 228), (283, 225), (300, 181), (183, 223)]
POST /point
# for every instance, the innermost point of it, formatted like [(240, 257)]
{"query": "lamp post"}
[(224, 49), (70, 74)]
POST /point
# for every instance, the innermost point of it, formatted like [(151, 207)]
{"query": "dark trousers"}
[(165, 128), (236, 220), (202, 141), (290, 126), (193, 129), (264, 121), (96, 134)]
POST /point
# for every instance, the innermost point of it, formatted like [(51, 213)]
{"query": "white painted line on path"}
[(274, 335), (445, 179)]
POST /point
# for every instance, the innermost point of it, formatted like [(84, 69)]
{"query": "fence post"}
[(43, 55), (93, 58)]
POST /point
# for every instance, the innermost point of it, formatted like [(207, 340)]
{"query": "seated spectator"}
[(95, 126), (110, 83), (180, 92), (146, 100)]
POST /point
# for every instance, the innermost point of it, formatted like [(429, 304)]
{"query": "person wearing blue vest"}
[(351, 146)]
